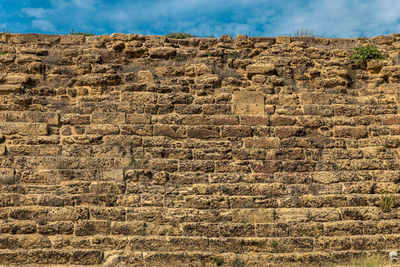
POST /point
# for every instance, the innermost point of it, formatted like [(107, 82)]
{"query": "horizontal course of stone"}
[(150, 151)]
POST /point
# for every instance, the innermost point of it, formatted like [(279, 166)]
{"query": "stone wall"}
[(151, 151)]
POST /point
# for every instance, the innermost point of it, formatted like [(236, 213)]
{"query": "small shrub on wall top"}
[(303, 32), (364, 53), (81, 33), (179, 35)]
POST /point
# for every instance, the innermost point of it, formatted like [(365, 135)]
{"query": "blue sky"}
[(326, 18)]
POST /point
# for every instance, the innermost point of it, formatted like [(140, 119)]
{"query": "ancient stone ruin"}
[(137, 150)]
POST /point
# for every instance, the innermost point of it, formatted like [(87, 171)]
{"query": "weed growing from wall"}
[(303, 32), (217, 261), (387, 202), (179, 35), (81, 33), (367, 52), (274, 245), (237, 262)]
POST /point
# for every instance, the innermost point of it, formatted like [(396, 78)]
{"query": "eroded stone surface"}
[(126, 149), (248, 103)]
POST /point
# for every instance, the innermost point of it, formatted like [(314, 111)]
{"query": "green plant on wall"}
[(237, 262), (81, 33), (179, 35), (217, 261), (274, 245), (387, 201), (367, 52)]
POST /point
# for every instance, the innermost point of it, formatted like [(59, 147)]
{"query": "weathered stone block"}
[(254, 120), (253, 215), (265, 142), (349, 131), (92, 228), (108, 118), (205, 132), (282, 39), (71, 39), (258, 68), (103, 129), (140, 130), (162, 52), (236, 131), (170, 131), (56, 228), (138, 119), (248, 103), (139, 97), (128, 228), (10, 128)]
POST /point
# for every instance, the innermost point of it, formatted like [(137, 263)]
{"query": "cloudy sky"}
[(325, 18)]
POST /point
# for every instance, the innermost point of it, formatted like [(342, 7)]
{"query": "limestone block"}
[(260, 68), (248, 103), (282, 39)]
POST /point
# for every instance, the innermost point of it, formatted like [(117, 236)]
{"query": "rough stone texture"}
[(131, 150)]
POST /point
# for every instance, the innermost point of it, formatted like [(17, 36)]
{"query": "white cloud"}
[(43, 25), (85, 3), (34, 12)]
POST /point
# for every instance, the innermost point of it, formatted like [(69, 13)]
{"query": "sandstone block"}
[(254, 120), (170, 131), (350, 131), (237, 229), (108, 118), (292, 215), (285, 132), (391, 120), (138, 119), (205, 132), (197, 70), (236, 131), (308, 229), (253, 215), (139, 97), (315, 98), (141, 130), (74, 119), (24, 38), (208, 80), (18, 227), (258, 68), (10, 128), (10, 89), (314, 109), (248, 103), (87, 257), (162, 52), (128, 228), (103, 129), (71, 39), (197, 229), (282, 39), (266, 142), (56, 228), (105, 213), (84, 228), (217, 109)]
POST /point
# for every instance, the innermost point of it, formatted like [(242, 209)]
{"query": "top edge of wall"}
[(26, 38)]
